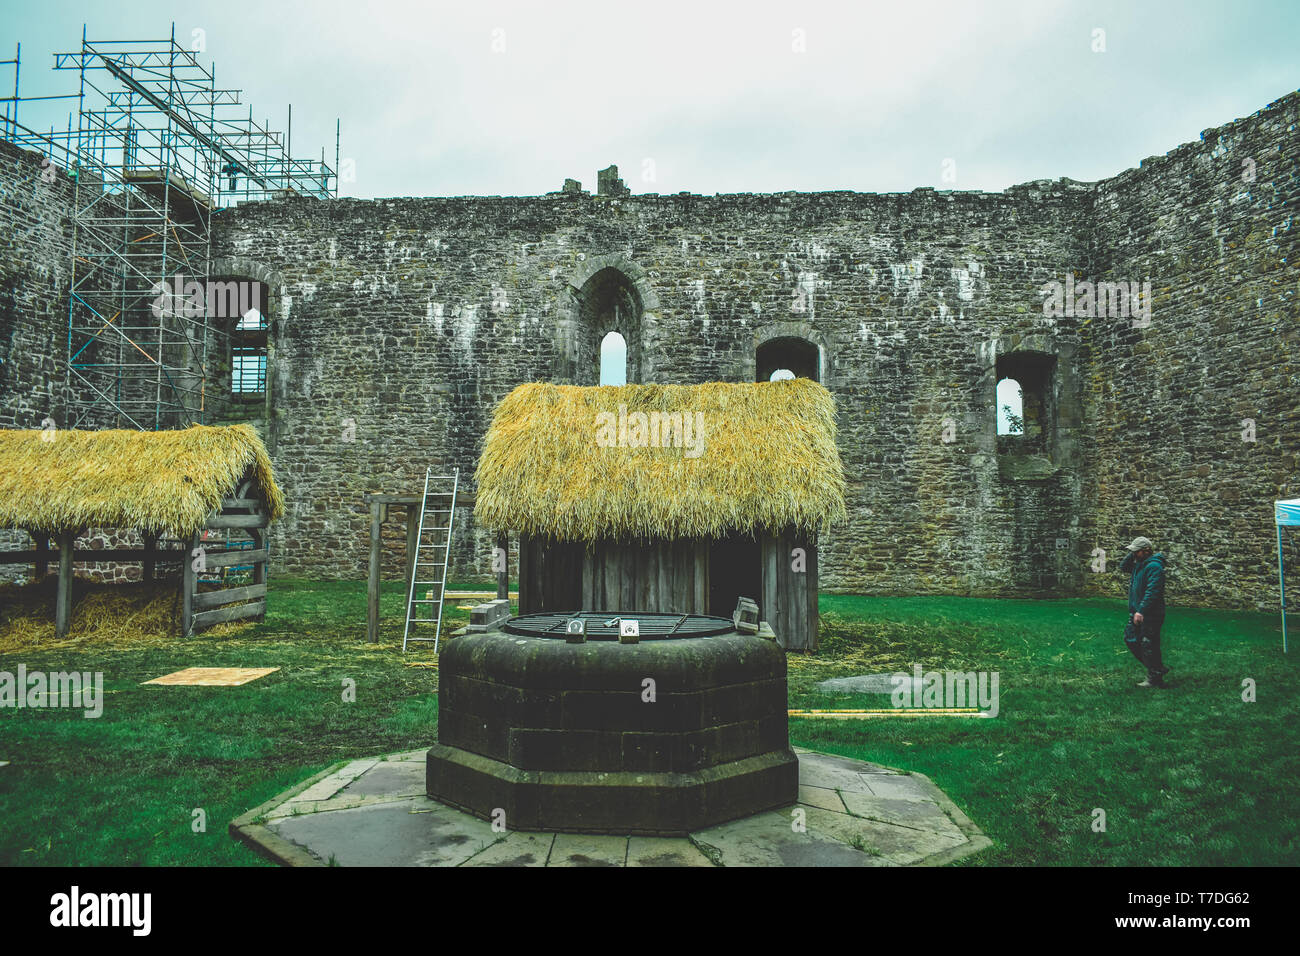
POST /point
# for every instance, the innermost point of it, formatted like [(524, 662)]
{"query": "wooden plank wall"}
[(789, 601), (667, 576), (204, 609)]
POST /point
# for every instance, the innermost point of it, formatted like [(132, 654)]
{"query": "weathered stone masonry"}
[(410, 318)]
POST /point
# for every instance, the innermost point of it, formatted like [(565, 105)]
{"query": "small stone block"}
[(489, 613), (745, 617)]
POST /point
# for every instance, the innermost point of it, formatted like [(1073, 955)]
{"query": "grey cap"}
[(1139, 543)]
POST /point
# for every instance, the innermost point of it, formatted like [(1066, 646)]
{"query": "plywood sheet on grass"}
[(214, 676)]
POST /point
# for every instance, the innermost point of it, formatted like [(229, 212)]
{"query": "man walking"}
[(1146, 606)]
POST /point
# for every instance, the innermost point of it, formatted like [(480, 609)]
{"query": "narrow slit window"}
[(1011, 408), (613, 360)]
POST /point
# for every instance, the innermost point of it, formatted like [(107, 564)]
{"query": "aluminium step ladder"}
[(434, 505)]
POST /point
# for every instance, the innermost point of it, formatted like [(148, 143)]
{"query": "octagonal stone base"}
[(373, 812), (638, 803)]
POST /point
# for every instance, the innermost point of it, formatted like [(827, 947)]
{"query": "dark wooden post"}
[(189, 584), (412, 542), (789, 601), (259, 543), (63, 599), (150, 546), (42, 553), (503, 576), (372, 581)]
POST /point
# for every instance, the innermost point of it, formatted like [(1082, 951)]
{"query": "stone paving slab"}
[(884, 843), (334, 782), (899, 787), (823, 797), (588, 849), (770, 839), (918, 814), (373, 812), (516, 849), (410, 832), (666, 851), (409, 755), (397, 777)]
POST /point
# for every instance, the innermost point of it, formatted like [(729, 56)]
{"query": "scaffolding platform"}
[(184, 198)]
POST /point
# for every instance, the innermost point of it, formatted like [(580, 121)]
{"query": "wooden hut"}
[(672, 498), (56, 484)]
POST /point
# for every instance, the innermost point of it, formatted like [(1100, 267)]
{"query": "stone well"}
[(663, 736)]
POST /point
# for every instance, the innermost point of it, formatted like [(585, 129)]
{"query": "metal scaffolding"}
[(157, 147)]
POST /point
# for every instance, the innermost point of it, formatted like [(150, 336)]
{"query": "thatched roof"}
[(161, 482), (768, 460)]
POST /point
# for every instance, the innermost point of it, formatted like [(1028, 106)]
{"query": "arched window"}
[(240, 308), (613, 359), (608, 302), (1011, 407), (248, 354), (788, 358)]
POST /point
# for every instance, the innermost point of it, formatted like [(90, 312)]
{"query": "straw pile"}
[(569, 462), (121, 615), (165, 482)]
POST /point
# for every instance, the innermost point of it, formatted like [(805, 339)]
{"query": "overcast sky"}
[(481, 98)]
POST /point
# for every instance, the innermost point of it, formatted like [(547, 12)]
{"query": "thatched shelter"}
[(676, 498), (55, 484)]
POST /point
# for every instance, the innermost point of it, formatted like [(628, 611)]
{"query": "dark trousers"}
[(1144, 641)]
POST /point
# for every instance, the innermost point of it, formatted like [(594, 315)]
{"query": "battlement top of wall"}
[(1037, 189), (611, 189), (1290, 103)]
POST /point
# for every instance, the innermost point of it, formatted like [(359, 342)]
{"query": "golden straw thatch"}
[(165, 482), (568, 461)]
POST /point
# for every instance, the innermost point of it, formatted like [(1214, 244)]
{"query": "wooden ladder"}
[(433, 505)]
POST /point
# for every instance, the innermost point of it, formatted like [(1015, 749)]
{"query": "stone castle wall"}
[(35, 239), (1195, 420), (411, 318), (398, 324)]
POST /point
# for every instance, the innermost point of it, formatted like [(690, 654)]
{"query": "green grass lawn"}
[(1188, 775), (121, 789)]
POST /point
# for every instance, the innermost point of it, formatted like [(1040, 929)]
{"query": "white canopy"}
[(1287, 512)]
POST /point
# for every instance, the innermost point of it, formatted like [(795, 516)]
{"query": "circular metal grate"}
[(603, 625)]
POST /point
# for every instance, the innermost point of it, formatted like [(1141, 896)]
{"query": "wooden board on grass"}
[(213, 676)]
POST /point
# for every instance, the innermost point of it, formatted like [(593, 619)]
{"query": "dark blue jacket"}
[(1146, 588)]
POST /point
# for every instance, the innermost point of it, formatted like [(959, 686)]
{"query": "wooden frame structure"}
[(184, 484), (410, 505), (246, 511)]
